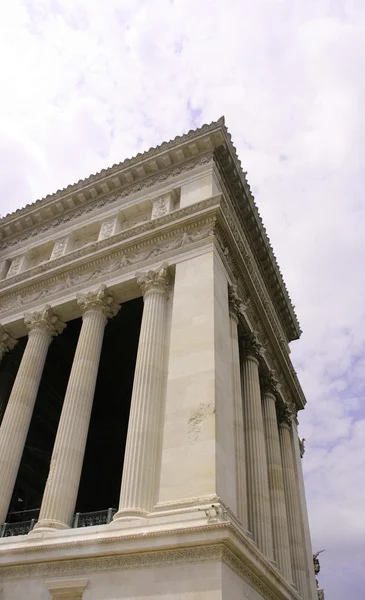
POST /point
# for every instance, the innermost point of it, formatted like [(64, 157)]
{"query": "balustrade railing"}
[(99, 517), (20, 523)]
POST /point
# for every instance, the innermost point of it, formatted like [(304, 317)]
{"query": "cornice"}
[(250, 220), (237, 257), (157, 165), (103, 200), (219, 541)]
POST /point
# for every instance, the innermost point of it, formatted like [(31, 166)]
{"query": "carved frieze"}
[(108, 200), (119, 261)]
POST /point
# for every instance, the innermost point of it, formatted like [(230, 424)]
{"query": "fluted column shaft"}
[(235, 307), (15, 424), (292, 506), (139, 480), (276, 486), (62, 485), (7, 342), (311, 580), (259, 511)]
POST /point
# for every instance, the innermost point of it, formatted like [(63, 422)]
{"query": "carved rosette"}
[(251, 346), (99, 300), (236, 306), (44, 320), (7, 342), (285, 415), (154, 281)]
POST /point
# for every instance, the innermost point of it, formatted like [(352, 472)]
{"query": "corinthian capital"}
[(99, 300), (236, 306), (45, 320), (285, 414), (154, 281), (7, 342), (251, 345), (270, 384)]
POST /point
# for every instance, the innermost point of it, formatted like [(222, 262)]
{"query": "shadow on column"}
[(102, 469)]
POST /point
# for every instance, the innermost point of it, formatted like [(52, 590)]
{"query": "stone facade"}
[(212, 500)]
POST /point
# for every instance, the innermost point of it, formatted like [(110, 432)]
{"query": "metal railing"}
[(99, 517), (20, 528), (19, 523)]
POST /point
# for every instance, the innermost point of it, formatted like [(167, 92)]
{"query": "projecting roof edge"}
[(116, 168), (154, 153), (265, 240)]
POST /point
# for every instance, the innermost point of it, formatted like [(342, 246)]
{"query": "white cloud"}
[(86, 84)]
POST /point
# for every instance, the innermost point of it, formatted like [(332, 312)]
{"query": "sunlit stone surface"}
[(163, 410)]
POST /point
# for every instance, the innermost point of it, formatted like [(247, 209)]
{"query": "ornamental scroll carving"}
[(154, 280), (110, 199), (117, 262), (251, 345), (99, 300), (285, 414), (236, 305), (45, 320)]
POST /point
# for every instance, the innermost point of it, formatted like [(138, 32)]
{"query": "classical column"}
[(7, 343), (139, 479), (276, 481), (296, 541), (236, 306), (62, 485), (259, 510), (298, 451), (42, 326)]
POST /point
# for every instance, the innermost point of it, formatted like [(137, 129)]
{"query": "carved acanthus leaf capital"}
[(154, 280), (7, 342), (99, 300), (270, 384), (251, 345), (45, 320), (236, 305), (285, 414)]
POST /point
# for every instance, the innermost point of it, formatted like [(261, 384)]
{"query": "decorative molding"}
[(66, 588), (45, 320), (239, 563), (251, 346), (120, 261), (99, 300), (269, 383), (285, 415), (236, 305), (237, 263), (137, 230), (154, 280), (109, 199), (69, 567)]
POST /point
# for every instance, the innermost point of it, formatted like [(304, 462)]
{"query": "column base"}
[(48, 526), (128, 514)]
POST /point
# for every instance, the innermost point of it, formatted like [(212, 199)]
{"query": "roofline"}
[(154, 153)]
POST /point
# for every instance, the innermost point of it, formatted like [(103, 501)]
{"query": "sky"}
[(85, 84)]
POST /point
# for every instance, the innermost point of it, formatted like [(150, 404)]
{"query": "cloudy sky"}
[(85, 84)]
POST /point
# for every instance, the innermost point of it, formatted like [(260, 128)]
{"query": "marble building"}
[(148, 403)]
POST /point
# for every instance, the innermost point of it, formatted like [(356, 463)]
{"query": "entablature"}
[(154, 168)]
